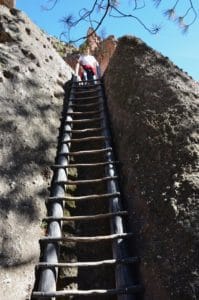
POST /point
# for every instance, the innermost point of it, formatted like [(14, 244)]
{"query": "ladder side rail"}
[(48, 277)]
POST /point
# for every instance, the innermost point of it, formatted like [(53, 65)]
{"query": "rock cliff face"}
[(32, 75), (154, 114), (8, 3), (105, 51)]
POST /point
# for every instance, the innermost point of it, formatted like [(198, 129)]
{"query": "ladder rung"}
[(75, 85), (87, 81), (90, 138), (87, 197), (83, 98), (88, 91), (88, 217), (119, 291), (84, 130), (86, 105), (84, 165), (93, 112), (86, 88), (87, 98), (74, 182), (128, 260), (87, 152), (84, 120), (87, 239)]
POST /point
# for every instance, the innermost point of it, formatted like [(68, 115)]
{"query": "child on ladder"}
[(87, 66)]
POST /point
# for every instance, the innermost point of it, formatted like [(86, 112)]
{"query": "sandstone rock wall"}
[(8, 3), (154, 112), (102, 49), (105, 51), (93, 40), (32, 76)]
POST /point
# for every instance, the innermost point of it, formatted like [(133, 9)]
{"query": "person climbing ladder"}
[(87, 66)]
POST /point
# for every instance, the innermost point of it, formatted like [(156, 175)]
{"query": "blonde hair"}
[(86, 50), (83, 48)]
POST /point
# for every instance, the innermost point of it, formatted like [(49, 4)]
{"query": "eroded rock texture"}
[(8, 3), (102, 49), (154, 114), (32, 75)]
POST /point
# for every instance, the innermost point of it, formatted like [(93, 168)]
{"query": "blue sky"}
[(182, 49)]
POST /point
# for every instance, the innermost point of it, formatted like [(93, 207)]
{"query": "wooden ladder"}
[(85, 146)]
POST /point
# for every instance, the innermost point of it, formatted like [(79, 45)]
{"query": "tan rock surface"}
[(32, 75), (105, 51), (8, 3), (154, 113)]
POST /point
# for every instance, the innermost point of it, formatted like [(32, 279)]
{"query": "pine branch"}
[(101, 9)]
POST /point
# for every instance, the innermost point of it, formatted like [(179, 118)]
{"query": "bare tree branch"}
[(101, 9), (154, 30), (98, 24), (108, 7), (136, 6), (54, 3), (193, 10), (171, 14), (157, 2)]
